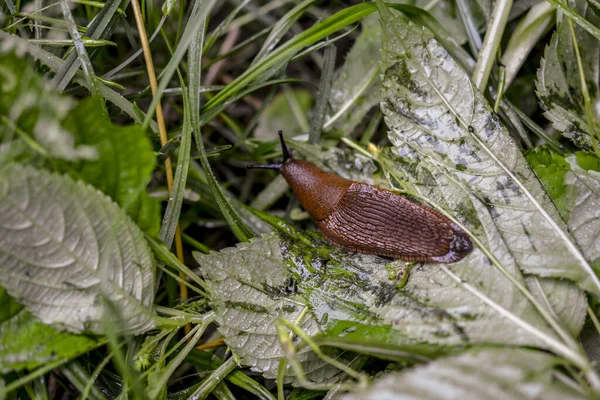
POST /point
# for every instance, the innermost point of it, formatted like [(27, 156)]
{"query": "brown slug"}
[(367, 219)]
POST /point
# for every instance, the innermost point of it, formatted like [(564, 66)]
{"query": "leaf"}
[(439, 119), (574, 184), (551, 169), (558, 80), (33, 113), (480, 374), (357, 296), (355, 88), (124, 164), (250, 288), (27, 343), (65, 249)]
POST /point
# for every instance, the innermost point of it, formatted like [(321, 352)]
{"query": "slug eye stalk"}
[(287, 154)]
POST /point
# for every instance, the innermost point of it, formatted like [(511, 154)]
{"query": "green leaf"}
[(480, 374), (27, 343), (123, 166), (573, 182), (551, 168), (9, 306), (65, 249), (32, 113), (355, 90), (558, 80), (437, 118)]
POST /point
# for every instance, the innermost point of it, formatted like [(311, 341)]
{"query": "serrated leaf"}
[(27, 343), (250, 288), (355, 89), (123, 166), (357, 296), (558, 80), (438, 118), (66, 248), (486, 374)]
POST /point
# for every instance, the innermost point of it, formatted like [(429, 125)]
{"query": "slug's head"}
[(318, 191)]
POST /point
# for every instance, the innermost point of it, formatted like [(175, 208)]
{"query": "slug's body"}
[(368, 219)]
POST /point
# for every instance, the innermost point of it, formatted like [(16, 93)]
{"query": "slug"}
[(368, 219)]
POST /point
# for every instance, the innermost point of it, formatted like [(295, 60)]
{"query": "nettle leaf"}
[(124, 164), (558, 80), (439, 119), (250, 287), (480, 374), (27, 343), (66, 249), (355, 89), (358, 297)]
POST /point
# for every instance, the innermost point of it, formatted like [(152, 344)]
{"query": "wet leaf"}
[(250, 287), (441, 121), (558, 80), (65, 249), (485, 374), (357, 296)]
